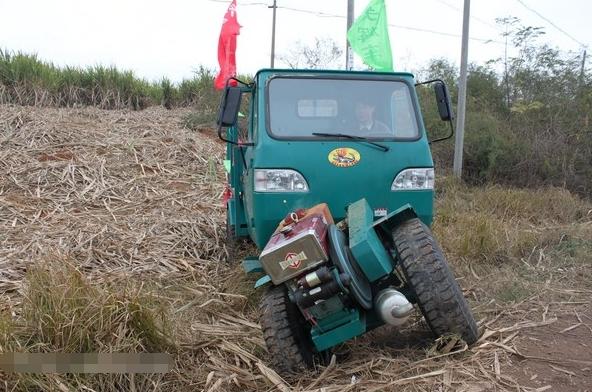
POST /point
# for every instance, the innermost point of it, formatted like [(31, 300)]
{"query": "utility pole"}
[(349, 55), (274, 6), (583, 69), (462, 93), (506, 69)]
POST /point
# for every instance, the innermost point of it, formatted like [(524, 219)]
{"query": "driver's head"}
[(365, 111)]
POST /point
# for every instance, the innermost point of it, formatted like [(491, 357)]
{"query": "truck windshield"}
[(373, 109)]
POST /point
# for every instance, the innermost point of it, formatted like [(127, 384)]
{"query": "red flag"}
[(227, 47)]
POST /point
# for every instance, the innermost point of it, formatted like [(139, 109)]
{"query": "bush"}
[(499, 224), (74, 316)]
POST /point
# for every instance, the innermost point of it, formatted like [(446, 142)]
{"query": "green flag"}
[(369, 37)]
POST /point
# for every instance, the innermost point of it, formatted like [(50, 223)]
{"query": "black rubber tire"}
[(436, 290), (286, 333)]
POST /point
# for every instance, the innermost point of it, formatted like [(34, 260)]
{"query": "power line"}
[(452, 6), (317, 13), (331, 15), (549, 21), (241, 4), (444, 33)]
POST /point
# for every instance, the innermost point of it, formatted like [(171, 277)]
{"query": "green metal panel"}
[(364, 243), (262, 281), (335, 319), (235, 207), (326, 308), (355, 325), (371, 178), (252, 265), (231, 212), (266, 209)]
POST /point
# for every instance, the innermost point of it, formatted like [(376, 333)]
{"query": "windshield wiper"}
[(353, 137)]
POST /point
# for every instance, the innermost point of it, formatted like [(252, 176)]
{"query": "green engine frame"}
[(336, 323)]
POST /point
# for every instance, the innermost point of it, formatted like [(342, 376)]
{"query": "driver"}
[(367, 124)]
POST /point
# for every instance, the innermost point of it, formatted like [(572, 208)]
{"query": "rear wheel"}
[(286, 333), (438, 294)]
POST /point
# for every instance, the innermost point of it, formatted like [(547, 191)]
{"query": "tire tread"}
[(283, 340), (438, 294)]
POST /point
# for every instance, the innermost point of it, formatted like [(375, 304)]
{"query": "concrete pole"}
[(349, 55), (462, 93), (274, 6), (583, 70)]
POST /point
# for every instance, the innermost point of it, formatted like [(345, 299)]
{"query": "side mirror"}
[(229, 108), (443, 101)]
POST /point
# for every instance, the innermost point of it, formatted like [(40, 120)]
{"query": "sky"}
[(173, 38)]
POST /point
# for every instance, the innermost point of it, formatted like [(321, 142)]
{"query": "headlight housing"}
[(279, 180), (414, 179)]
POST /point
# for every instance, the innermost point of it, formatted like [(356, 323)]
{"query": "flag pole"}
[(349, 55), (462, 94)]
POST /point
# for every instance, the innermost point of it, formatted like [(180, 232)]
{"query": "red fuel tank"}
[(298, 247)]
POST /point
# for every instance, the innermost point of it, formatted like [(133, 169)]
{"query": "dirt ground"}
[(135, 198), (558, 354)]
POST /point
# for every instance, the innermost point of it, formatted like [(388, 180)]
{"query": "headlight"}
[(414, 179), (279, 180)]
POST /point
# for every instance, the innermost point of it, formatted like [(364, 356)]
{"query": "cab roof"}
[(336, 72)]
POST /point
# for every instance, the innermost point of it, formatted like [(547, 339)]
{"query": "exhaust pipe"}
[(393, 307)]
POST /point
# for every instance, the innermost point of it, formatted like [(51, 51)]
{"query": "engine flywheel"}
[(342, 257)]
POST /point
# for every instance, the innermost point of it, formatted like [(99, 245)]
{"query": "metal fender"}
[(366, 245), (396, 217)]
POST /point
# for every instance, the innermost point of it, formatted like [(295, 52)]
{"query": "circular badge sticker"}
[(344, 157), (294, 260)]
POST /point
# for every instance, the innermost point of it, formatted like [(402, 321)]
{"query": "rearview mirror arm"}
[(445, 137), (451, 118), (249, 87)]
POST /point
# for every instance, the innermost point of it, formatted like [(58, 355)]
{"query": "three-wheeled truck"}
[(332, 178)]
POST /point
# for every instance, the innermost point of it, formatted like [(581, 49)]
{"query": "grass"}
[(512, 292), (198, 121), (511, 241), (495, 223), (27, 80), (63, 312), (75, 316), (130, 202)]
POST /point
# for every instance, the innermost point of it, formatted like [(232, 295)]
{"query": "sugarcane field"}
[(114, 239), (322, 216)]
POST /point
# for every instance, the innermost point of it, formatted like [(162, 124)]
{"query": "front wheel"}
[(286, 333), (438, 294)]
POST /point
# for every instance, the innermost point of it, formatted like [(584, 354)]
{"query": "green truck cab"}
[(286, 166)]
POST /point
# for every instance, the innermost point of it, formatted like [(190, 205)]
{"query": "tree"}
[(322, 54)]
